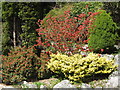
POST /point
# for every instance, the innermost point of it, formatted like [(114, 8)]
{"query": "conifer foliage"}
[(103, 35)]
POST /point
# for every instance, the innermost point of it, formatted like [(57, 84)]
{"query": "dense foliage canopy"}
[(19, 22), (62, 27)]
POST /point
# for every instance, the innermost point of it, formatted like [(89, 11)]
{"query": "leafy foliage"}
[(63, 33), (22, 64), (113, 8), (78, 68), (85, 7), (8, 13), (103, 35), (58, 31), (26, 15), (29, 14), (58, 11)]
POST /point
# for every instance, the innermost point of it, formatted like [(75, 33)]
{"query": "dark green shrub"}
[(75, 8), (22, 64), (85, 7), (103, 33), (57, 12)]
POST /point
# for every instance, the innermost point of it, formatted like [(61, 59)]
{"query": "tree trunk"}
[(14, 33)]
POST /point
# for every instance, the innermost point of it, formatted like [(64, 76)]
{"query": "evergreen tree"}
[(103, 35), (19, 22)]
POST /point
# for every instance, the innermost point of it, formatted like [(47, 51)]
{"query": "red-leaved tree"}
[(64, 33)]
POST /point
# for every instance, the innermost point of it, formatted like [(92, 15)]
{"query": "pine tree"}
[(104, 33)]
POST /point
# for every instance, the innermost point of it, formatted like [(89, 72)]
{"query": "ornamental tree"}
[(63, 33)]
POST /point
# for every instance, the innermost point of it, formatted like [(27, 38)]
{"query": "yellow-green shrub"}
[(76, 67)]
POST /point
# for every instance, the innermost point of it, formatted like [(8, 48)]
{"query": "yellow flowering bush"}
[(76, 67)]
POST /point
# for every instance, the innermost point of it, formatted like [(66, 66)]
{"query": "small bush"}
[(44, 72), (22, 64), (104, 33), (38, 84), (78, 68)]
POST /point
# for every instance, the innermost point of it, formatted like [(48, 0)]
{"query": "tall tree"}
[(19, 20), (9, 12)]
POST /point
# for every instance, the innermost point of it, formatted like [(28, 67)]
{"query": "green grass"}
[(38, 84)]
